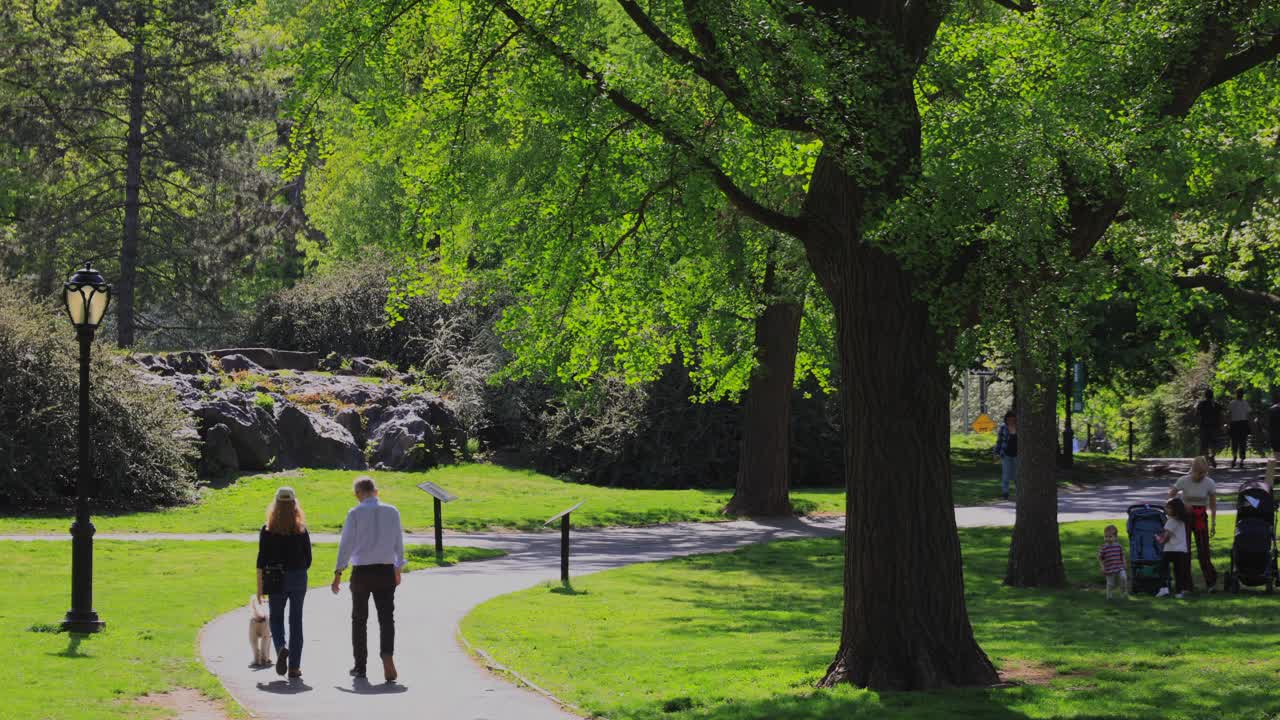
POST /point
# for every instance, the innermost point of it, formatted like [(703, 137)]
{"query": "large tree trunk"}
[(905, 625), (1035, 554), (764, 457), (126, 286)]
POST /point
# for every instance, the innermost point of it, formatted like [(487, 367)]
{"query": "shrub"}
[(140, 455), (265, 401)]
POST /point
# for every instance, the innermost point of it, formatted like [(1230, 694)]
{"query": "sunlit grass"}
[(744, 636)]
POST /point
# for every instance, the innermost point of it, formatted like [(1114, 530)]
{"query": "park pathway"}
[(438, 679)]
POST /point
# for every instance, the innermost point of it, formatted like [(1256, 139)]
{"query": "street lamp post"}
[(87, 296)]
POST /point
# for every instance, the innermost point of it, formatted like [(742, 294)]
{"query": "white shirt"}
[(1177, 541), (371, 535), (1196, 493), (1239, 410)]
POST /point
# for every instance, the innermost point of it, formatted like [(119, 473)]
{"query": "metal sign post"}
[(438, 495), (563, 517)]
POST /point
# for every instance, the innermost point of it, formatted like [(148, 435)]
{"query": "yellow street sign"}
[(983, 424)]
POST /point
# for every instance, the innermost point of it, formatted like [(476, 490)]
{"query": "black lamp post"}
[(87, 296)]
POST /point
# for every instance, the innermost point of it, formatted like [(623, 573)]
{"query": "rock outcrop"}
[(298, 418)]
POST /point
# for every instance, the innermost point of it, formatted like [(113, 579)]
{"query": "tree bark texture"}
[(764, 457), (1035, 553), (905, 624), (126, 286)]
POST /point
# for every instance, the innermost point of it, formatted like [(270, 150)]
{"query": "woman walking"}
[(1199, 494), (284, 556)]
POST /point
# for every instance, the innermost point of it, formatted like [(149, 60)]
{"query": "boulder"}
[(237, 363), (363, 394), (349, 418), (310, 440), (253, 430), (272, 359), (218, 454), (153, 364), (189, 363), (414, 436)]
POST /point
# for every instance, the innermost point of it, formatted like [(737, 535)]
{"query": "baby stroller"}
[(1253, 552), (1145, 555)]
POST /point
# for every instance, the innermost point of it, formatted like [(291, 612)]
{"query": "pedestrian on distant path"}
[(284, 556), (373, 543), (1210, 420), (1111, 560), (1199, 494), (1006, 451), (1238, 412), (1173, 538), (1273, 416)]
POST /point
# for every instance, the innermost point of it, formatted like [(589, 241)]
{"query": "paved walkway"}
[(439, 679)]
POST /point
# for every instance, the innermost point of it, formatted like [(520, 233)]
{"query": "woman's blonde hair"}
[(1199, 468), (285, 517)]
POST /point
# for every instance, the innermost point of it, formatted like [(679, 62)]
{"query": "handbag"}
[(273, 579)]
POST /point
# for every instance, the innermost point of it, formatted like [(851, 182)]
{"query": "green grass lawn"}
[(154, 596), (976, 475), (489, 496), (492, 496), (744, 636)]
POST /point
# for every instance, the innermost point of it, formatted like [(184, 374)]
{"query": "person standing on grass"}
[(1210, 420), (1006, 451), (1111, 561), (1238, 413), (373, 544), (1199, 496), (284, 548), (1174, 539)]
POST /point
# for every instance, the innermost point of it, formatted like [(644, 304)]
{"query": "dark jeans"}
[(380, 582), (295, 591), (1239, 439), (1181, 563)]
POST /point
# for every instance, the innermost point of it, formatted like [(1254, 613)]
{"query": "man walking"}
[(373, 543), (1239, 411), (1210, 421)]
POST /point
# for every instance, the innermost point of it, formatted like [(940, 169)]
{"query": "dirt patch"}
[(1023, 672), (187, 704)]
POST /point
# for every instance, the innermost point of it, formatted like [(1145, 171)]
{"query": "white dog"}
[(259, 633)]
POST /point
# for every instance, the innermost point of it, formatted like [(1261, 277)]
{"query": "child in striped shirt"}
[(1111, 560)]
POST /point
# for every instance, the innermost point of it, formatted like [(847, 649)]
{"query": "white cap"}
[(286, 494)]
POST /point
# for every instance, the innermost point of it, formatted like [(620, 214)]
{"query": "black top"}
[(1208, 412), (292, 551), (1011, 445)]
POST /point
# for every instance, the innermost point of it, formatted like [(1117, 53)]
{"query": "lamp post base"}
[(82, 623)]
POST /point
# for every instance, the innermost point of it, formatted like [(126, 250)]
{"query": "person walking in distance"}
[(1238, 413), (1210, 419), (1006, 451), (373, 544)]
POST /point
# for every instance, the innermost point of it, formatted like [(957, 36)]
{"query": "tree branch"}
[(713, 68), (1023, 7), (1220, 286), (745, 204), (1245, 61)]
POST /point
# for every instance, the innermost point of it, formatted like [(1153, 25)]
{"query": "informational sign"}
[(437, 492), (984, 424), (561, 514)]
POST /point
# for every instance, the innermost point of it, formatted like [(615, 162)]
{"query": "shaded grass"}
[(154, 596), (489, 496), (745, 635), (976, 474)]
